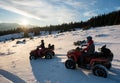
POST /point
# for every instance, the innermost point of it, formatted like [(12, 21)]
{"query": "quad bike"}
[(47, 53), (99, 62)]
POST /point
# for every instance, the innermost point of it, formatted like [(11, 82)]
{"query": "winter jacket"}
[(42, 45), (90, 49)]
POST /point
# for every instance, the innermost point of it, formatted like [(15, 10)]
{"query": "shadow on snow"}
[(11, 77), (54, 71)]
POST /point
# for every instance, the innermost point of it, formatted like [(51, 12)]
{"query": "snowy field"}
[(15, 66)]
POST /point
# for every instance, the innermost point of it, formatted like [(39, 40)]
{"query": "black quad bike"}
[(46, 53), (99, 62)]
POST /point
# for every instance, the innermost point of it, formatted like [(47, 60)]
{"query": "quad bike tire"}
[(53, 53), (108, 66), (32, 56), (100, 70), (48, 56), (70, 64)]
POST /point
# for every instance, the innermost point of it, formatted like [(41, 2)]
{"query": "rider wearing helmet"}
[(90, 47), (42, 44), (88, 51)]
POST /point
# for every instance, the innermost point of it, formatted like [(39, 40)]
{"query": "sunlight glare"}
[(24, 22)]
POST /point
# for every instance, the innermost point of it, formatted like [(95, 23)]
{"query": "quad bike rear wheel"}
[(48, 56), (70, 64), (100, 70), (53, 54), (108, 66)]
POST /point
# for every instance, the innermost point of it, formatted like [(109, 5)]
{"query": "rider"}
[(90, 47), (42, 46), (89, 50)]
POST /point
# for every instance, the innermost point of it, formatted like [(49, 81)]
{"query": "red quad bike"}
[(99, 62), (48, 53)]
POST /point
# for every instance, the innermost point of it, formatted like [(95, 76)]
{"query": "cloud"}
[(11, 7), (93, 2), (89, 14), (118, 8), (58, 11)]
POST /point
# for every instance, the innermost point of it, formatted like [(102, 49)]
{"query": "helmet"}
[(42, 40), (89, 38)]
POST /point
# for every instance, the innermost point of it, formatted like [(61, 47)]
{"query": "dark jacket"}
[(42, 45)]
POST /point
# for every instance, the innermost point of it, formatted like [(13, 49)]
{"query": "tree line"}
[(112, 18)]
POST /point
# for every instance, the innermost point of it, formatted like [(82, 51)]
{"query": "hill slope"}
[(15, 65)]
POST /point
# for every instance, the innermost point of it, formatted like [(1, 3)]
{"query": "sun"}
[(24, 22)]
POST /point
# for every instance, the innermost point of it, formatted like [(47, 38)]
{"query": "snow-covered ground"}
[(16, 67)]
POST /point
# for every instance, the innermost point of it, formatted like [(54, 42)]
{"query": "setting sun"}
[(24, 22)]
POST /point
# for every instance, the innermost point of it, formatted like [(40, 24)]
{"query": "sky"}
[(53, 12)]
